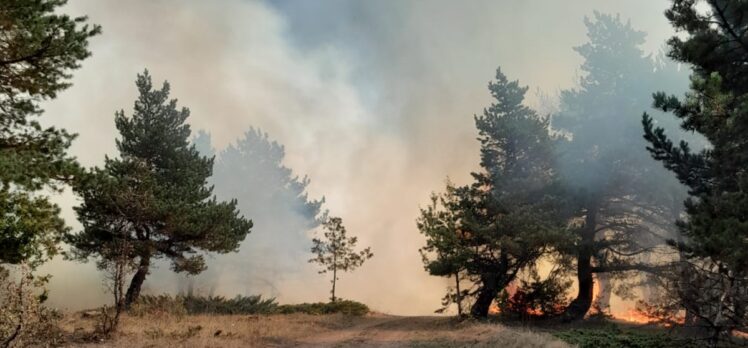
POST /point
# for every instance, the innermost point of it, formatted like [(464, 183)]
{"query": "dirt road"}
[(299, 330), (397, 331)]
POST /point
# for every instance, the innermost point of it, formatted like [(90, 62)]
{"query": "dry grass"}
[(301, 330)]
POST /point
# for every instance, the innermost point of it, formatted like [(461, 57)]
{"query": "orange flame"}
[(635, 316), (632, 315)]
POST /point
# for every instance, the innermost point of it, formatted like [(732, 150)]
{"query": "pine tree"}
[(336, 251), (155, 195), (509, 216), (255, 162), (447, 250), (252, 170), (716, 229), (38, 50), (620, 197)]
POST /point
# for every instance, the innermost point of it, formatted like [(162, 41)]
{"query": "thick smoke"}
[(373, 100), (275, 254)]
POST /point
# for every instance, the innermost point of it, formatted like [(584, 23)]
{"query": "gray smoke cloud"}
[(373, 100)]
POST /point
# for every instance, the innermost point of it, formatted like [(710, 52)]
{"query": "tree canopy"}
[(335, 251), (503, 222), (39, 48), (716, 225), (253, 171), (155, 195)]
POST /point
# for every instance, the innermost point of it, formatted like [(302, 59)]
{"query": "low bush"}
[(346, 307), (237, 305), (181, 305)]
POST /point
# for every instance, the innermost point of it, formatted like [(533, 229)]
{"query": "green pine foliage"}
[(509, 217), (717, 108), (335, 252), (155, 195), (714, 44), (38, 50)]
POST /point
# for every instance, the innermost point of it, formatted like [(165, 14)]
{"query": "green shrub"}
[(181, 305), (615, 337), (346, 307), (237, 305)]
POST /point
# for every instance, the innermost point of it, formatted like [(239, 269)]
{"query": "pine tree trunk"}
[(486, 295), (334, 272), (334, 279), (458, 298), (133, 291), (582, 303)]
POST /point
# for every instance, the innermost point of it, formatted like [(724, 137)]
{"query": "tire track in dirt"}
[(379, 332)]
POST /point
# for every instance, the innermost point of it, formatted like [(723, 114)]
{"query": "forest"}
[(609, 212)]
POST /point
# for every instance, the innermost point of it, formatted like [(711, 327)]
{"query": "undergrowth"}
[(182, 305), (346, 307)]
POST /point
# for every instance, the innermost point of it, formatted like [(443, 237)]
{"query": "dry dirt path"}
[(397, 331), (301, 330), (383, 330)]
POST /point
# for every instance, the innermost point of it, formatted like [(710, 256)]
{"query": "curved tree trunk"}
[(582, 303), (486, 295), (133, 291)]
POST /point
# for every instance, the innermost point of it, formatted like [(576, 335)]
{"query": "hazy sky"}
[(372, 99)]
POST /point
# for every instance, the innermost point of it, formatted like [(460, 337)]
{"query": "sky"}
[(373, 100)]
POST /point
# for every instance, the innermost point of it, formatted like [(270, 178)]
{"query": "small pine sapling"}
[(335, 252)]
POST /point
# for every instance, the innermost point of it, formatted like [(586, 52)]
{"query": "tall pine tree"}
[(509, 217), (155, 195), (617, 192), (716, 228), (38, 50), (253, 170)]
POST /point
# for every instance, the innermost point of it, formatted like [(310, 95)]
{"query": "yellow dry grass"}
[(300, 330)]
